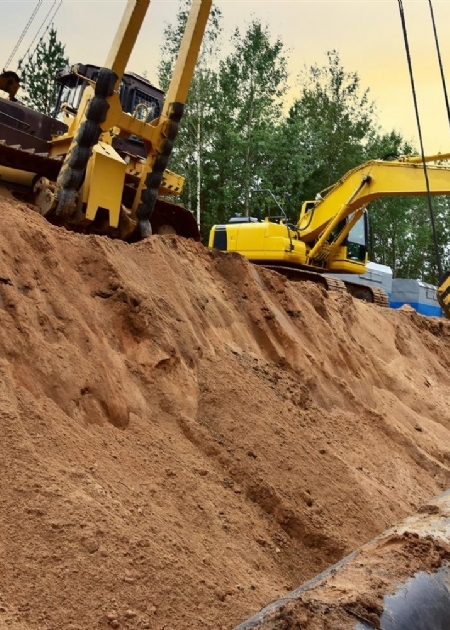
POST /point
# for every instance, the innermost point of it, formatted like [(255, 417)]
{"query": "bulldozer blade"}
[(398, 581)]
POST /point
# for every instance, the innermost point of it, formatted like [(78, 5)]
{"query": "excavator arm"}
[(347, 199)]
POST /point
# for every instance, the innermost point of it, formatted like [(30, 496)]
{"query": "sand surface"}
[(185, 438)]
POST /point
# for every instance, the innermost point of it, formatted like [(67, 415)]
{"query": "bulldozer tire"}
[(105, 83), (98, 109), (89, 134), (71, 178), (79, 157)]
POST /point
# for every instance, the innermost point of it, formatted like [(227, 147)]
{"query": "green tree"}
[(198, 119), (38, 73), (390, 217), (401, 234), (248, 107), (328, 128)]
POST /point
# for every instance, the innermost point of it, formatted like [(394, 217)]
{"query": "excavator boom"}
[(348, 198)]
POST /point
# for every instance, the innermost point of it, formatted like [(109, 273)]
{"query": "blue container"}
[(420, 295)]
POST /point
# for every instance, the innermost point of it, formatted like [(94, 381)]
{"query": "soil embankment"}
[(184, 438)]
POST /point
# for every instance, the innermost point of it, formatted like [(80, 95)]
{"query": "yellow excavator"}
[(331, 235), (100, 165)]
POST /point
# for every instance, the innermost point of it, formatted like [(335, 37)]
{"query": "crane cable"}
[(441, 68), (419, 130), (24, 32), (41, 27)]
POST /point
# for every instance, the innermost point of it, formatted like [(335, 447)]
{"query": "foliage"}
[(248, 107), (38, 73), (328, 128), (236, 142), (196, 126), (401, 230)]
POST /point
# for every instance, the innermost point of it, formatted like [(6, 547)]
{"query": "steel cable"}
[(441, 68), (24, 32), (42, 26), (419, 130)]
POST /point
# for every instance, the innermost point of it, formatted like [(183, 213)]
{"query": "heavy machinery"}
[(331, 235), (100, 165)]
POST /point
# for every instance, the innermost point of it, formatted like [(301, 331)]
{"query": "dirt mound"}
[(186, 437)]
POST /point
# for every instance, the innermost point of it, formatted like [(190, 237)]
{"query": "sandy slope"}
[(184, 437)]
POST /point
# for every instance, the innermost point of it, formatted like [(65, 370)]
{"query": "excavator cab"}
[(357, 240)]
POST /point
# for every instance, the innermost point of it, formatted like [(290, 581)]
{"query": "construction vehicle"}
[(331, 235), (100, 164)]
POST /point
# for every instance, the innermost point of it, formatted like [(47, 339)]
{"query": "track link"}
[(16, 157), (373, 295)]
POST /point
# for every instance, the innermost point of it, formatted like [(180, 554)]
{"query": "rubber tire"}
[(79, 157), (97, 110), (105, 83), (89, 134)]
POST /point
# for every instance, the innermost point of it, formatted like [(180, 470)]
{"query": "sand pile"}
[(184, 437)]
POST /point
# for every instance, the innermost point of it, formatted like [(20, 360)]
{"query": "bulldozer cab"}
[(138, 96)]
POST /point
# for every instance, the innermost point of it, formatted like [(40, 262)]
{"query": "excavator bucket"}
[(443, 293), (398, 581)]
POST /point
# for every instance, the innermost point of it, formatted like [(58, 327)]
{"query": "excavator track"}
[(373, 295)]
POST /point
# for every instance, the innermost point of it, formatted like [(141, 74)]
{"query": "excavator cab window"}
[(357, 240)]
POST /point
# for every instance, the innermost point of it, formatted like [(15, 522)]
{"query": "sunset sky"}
[(366, 33)]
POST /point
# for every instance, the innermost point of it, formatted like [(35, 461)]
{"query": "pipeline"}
[(398, 581)]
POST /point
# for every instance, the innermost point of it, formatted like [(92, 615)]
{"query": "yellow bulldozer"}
[(100, 164), (331, 234)]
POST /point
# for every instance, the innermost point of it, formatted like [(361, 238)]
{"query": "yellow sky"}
[(366, 33)]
